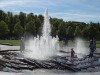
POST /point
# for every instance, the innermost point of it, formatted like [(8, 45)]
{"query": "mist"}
[(80, 48)]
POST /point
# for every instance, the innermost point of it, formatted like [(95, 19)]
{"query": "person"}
[(22, 45), (65, 41), (92, 46), (72, 54)]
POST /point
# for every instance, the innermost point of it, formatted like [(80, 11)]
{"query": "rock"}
[(1, 56), (14, 61)]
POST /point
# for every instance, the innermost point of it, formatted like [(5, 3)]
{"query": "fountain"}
[(80, 48), (43, 47), (36, 53)]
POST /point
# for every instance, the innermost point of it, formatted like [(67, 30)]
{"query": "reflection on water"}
[(48, 72)]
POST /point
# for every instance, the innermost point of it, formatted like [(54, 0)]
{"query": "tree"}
[(30, 28), (92, 31), (22, 17), (77, 32), (53, 31), (30, 17), (64, 29), (61, 31), (38, 25), (41, 18), (85, 32), (2, 15), (10, 23), (56, 24), (3, 30), (16, 19), (18, 30), (70, 32)]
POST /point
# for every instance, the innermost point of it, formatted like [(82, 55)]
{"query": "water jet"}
[(45, 46)]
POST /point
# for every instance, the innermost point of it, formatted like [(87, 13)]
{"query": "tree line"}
[(14, 26)]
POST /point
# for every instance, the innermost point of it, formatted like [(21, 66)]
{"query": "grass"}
[(97, 43), (10, 42), (70, 43)]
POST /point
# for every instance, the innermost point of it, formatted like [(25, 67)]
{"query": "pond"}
[(48, 72)]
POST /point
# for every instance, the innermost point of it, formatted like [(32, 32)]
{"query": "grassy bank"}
[(97, 43), (70, 43), (10, 42)]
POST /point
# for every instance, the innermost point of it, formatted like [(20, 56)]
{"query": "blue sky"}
[(68, 10)]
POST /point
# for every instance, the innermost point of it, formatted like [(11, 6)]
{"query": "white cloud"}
[(76, 14), (66, 9), (76, 17), (14, 3)]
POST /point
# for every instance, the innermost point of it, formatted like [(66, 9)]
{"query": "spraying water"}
[(43, 47), (80, 48)]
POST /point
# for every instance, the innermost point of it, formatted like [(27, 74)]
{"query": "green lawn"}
[(70, 43), (97, 44), (11, 42)]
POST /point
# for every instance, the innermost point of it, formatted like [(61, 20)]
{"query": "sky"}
[(68, 10)]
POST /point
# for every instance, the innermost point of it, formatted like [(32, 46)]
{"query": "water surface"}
[(48, 72)]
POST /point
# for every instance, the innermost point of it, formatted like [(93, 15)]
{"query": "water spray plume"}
[(80, 48), (43, 47)]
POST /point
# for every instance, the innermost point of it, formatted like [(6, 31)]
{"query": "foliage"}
[(14, 26), (3, 29), (77, 32), (61, 31), (31, 28), (18, 30)]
